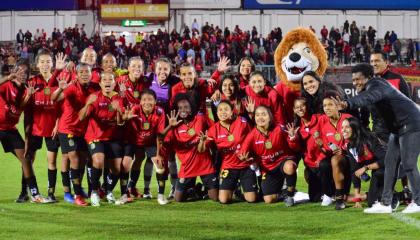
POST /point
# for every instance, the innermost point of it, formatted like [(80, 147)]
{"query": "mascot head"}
[(299, 51)]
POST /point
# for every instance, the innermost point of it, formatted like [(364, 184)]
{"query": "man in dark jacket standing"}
[(402, 118)]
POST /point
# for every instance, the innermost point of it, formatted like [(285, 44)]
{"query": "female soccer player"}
[(226, 135), (366, 152), (184, 138), (71, 129), (13, 95), (304, 136), (146, 123), (267, 145), (41, 116), (330, 124), (103, 110), (246, 67), (260, 94)]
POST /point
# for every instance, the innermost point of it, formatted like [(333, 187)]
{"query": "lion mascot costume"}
[(299, 51)]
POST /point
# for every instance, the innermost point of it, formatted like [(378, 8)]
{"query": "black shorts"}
[(11, 140), (272, 181), (111, 149), (35, 143), (71, 143), (229, 179), (209, 181), (131, 149)]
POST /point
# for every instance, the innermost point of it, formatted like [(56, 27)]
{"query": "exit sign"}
[(133, 23)]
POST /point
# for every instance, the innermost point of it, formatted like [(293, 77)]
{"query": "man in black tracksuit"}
[(402, 118), (379, 62)]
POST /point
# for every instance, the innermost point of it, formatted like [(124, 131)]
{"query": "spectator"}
[(20, 37), (324, 33)]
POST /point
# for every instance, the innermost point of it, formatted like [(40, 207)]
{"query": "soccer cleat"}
[(123, 200), (79, 200), (23, 197), (38, 199), (326, 201), (340, 205), (147, 194), (412, 208), (171, 194), (135, 193), (50, 199), (95, 200), (68, 197), (110, 197), (378, 208), (101, 193), (289, 201), (162, 200)]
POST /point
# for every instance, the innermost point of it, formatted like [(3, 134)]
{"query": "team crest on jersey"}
[(47, 91), (231, 138), (337, 137), (191, 132)]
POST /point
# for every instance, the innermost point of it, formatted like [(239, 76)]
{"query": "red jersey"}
[(75, 97), (10, 98), (143, 130), (218, 75), (288, 98), (133, 89), (305, 142), (202, 89), (268, 150), (270, 98), (331, 133), (184, 140), (102, 123), (43, 110), (228, 141)]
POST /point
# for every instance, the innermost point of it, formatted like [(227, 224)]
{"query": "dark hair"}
[(42, 52), (296, 118), (364, 68), (251, 61), (270, 114), (23, 62), (312, 74), (382, 53), (147, 91), (236, 90), (360, 135), (331, 94), (184, 96), (257, 73)]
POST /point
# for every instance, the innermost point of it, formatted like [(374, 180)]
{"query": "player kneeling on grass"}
[(304, 135), (104, 110), (226, 136), (365, 152), (332, 145), (146, 123), (267, 145), (186, 137), (14, 94)]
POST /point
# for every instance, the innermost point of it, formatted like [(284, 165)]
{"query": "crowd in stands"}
[(204, 46)]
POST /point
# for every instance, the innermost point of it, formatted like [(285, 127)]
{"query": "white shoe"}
[(378, 208), (412, 208), (147, 194), (162, 200), (326, 201), (95, 199), (123, 200), (110, 198), (171, 194)]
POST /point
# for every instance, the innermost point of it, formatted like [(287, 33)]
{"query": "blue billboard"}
[(334, 4), (28, 5)]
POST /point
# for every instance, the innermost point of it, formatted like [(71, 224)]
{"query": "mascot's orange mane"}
[(295, 36)]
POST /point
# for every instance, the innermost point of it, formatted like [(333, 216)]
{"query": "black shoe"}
[(23, 197), (51, 198), (340, 205), (395, 201)]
